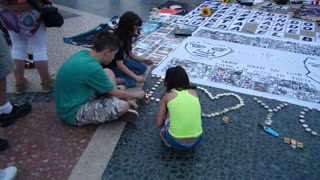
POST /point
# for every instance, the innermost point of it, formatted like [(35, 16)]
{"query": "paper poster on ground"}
[(275, 74)]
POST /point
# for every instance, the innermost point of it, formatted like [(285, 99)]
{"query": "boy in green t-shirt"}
[(85, 93)]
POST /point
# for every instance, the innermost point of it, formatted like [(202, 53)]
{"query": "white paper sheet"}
[(274, 74)]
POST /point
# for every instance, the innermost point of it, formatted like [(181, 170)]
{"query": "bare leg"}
[(124, 107), (43, 70), (19, 72)]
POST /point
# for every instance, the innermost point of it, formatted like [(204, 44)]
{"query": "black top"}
[(122, 53)]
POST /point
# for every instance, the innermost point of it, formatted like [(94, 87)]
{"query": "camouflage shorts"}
[(96, 111)]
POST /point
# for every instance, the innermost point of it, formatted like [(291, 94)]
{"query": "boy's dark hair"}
[(125, 28), (106, 39), (177, 78)]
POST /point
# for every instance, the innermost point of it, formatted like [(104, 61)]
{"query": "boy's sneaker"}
[(17, 111), (162, 135), (21, 88), (8, 173), (3, 144), (130, 116), (47, 86)]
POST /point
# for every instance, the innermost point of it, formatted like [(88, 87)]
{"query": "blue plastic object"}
[(269, 130)]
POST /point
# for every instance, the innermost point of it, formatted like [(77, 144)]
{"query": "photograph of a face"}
[(147, 44), (164, 50), (156, 58), (139, 51)]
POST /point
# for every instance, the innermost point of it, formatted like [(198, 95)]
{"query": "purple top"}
[(24, 22)]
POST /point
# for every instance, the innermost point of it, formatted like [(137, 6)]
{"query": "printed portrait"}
[(203, 50)]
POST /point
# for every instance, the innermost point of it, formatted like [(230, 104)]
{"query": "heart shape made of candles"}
[(217, 96)]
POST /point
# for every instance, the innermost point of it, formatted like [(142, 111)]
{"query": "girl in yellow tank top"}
[(181, 105)]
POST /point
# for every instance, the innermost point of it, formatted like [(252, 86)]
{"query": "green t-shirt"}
[(80, 77), (184, 115)]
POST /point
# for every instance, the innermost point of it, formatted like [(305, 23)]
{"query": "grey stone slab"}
[(96, 156)]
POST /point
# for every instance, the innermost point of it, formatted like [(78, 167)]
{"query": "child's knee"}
[(124, 106), (143, 68), (140, 69)]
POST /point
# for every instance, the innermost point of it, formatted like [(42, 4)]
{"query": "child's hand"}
[(148, 62), (132, 104), (140, 79), (140, 94)]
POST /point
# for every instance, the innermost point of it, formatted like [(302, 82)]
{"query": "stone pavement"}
[(41, 145)]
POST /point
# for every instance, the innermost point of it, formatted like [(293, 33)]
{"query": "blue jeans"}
[(136, 67), (177, 144)]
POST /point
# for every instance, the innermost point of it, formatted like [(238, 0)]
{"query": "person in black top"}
[(128, 67)]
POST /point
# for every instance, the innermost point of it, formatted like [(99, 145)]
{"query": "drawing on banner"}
[(204, 50), (313, 67), (274, 74)]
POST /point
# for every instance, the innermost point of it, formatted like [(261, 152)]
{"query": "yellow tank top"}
[(184, 115)]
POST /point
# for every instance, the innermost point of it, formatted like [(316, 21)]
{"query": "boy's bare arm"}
[(124, 95)]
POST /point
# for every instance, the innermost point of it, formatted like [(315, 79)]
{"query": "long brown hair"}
[(177, 78), (125, 28)]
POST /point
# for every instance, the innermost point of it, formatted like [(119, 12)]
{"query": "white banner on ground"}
[(274, 74)]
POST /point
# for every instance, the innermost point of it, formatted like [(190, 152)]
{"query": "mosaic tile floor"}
[(236, 150), (118, 7), (43, 147)]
